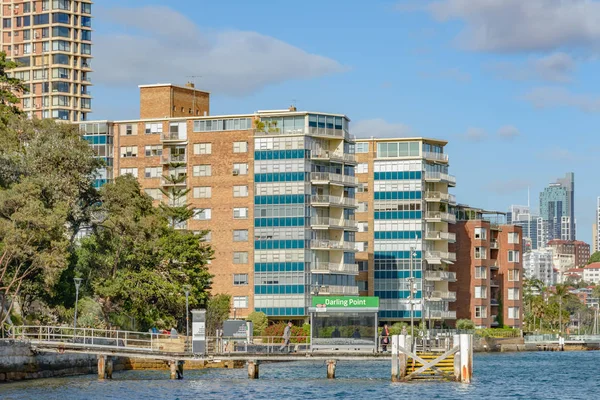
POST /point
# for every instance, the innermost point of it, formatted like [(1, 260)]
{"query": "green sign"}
[(345, 302)]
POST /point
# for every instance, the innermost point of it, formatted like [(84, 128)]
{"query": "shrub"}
[(298, 332), (465, 324), (259, 321)]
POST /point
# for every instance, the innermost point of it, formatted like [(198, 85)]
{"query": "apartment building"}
[(275, 189), (51, 40), (403, 218), (488, 268), (538, 264), (578, 250)]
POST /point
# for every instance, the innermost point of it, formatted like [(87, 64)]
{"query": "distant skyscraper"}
[(557, 208), (522, 216)]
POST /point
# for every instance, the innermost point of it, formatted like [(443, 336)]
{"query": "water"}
[(534, 375)]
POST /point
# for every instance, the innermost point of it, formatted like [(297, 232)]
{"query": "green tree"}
[(218, 309), (465, 324), (10, 87), (259, 321), (176, 209), (594, 258)]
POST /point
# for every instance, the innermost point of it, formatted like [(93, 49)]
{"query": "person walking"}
[(385, 337), (287, 335)]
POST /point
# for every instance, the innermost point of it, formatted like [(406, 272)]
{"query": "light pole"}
[(187, 312), (77, 284), (410, 294)]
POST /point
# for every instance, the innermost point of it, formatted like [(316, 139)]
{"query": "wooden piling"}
[(331, 369), (101, 366), (173, 369), (109, 367), (253, 369)]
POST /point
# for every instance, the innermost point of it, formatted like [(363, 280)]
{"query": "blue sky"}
[(511, 84)]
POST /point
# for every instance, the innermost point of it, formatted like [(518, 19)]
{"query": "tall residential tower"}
[(557, 208)]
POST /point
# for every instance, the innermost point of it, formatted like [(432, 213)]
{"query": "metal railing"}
[(175, 158), (324, 267), (440, 196), (332, 155), (436, 314), (441, 177), (138, 341), (440, 276), (493, 244), (442, 255), (322, 132), (438, 235), (333, 200), (333, 222), (172, 136), (494, 282), (331, 245), (334, 178), (449, 296), (339, 290), (435, 156), (443, 216)]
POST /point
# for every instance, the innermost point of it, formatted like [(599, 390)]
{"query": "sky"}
[(512, 85)]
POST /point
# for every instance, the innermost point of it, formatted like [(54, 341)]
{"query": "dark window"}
[(86, 21), (41, 19), (6, 22), (61, 18), (60, 59)]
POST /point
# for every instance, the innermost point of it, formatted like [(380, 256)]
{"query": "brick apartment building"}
[(488, 269), (576, 248)]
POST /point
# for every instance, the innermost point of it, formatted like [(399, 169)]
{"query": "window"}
[(363, 226), (207, 236), (130, 151), (223, 124), (480, 233), (363, 187), (363, 266), (86, 8), (480, 253), (240, 191), (363, 206), (153, 151), (363, 286), (240, 147), (398, 149), (513, 293), (202, 215), (240, 169), (513, 275), (514, 313), (240, 279), (132, 171), (361, 246), (240, 257), (240, 213), (153, 172), (480, 272), (480, 292), (240, 302), (240, 235), (128, 128), (202, 170), (154, 128), (480, 312), (156, 194), (202, 192), (361, 148), (513, 237), (203, 148), (362, 168), (513, 256)]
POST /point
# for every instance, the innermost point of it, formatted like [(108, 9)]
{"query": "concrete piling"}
[(395, 365), (331, 369), (466, 358), (253, 369), (101, 366), (173, 369)]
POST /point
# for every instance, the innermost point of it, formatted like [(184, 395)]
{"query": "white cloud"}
[(158, 44), (523, 25), (556, 67), (474, 135), (508, 132), (502, 187), (550, 97), (380, 128)]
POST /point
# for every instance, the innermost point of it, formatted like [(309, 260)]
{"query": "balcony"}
[(173, 182), (437, 295), (438, 216), (435, 156), (173, 159), (326, 268), (494, 283), (331, 245), (437, 197), (325, 155), (172, 137), (440, 177), (494, 266), (339, 290), (333, 201), (332, 223), (440, 276), (437, 257), (437, 235), (494, 303), (436, 314), (494, 244), (330, 133), (326, 178)]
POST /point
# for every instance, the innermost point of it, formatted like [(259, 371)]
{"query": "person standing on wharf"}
[(287, 334)]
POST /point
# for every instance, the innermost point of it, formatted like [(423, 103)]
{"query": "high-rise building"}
[(557, 208), (52, 43), (488, 268), (538, 264), (522, 216), (275, 189), (403, 217), (580, 251)]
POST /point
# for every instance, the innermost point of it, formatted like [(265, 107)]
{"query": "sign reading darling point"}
[(345, 302)]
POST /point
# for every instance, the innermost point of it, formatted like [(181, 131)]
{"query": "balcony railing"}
[(494, 302), (339, 290), (440, 177), (494, 266), (447, 296), (172, 137), (332, 155), (331, 245), (321, 132), (333, 223), (440, 255), (494, 283), (434, 196), (440, 276), (437, 235), (442, 216), (435, 156), (324, 267), (493, 244), (317, 177), (333, 201), (165, 182), (436, 314), (175, 158)]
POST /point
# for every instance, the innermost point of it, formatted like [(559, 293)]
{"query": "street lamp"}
[(77, 284)]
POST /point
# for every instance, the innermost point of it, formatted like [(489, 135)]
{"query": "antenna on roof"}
[(293, 106), (192, 84)]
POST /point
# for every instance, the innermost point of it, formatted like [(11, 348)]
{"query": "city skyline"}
[(427, 84)]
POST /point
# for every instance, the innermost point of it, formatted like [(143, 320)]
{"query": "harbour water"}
[(532, 375)]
